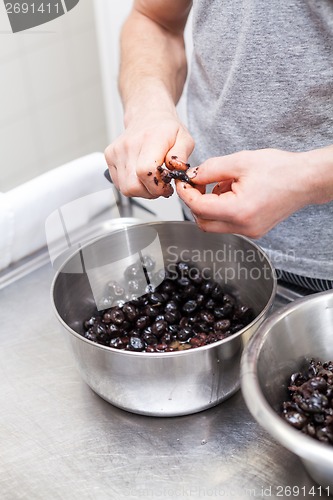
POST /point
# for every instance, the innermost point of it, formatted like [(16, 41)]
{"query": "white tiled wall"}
[(51, 105)]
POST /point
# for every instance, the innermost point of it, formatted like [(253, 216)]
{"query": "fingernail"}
[(192, 172)]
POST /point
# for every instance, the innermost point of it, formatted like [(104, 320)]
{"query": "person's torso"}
[(262, 76)]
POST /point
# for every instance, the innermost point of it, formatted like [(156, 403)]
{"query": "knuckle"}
[(112, 151), (190, 142), (129, 190), (142, 170), (108, 153), (131, 143), (240, 158), (134, 188)]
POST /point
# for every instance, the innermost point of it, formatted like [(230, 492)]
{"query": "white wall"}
[(51, 101)]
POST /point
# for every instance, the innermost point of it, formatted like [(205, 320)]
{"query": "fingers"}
[(176, 164), (223, 168), (134, 158), (151, 156), (123, 176), (223, 213), (214, 226), (208, 206), (223, 187), (179, 152), (114, 175)]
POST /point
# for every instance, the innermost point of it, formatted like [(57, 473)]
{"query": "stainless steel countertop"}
[(61, 441)]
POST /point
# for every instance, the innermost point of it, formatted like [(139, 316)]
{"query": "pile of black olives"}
[(183, 311), (310, 408)]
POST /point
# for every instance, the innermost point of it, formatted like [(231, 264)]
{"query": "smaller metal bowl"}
[(302, 330)]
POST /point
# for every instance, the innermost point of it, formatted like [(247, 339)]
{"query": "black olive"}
[(207, 287), (117, 316), (217, 292), (318, 383), (99, 329), (243, 313), (140, 301), (136, 344), (137, 286), (183, 282), (210, 304), (200, 299), (117, 343), (173, 329), (183, 311), (149, 338), (171, 306), (236, 327), (184, 334), (133, 271), (203, 327), (89, 322), (114, 330), (131, 312), (168, 286), (222, 325), (172, 317), (207, 316), (162, 347), (166, 338), (226, 310), (189, 292), (195, 276), (296, 419), (156, 298), (142, 322), (90, 335), (310, 406), (152, 310), (160, 317), (159, 328), (189, 306), (183, 269)]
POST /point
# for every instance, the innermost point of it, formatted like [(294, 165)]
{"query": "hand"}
[(255, 191), (150, 139)]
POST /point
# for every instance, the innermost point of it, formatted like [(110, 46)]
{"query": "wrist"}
[(318, 169), (152, 98)]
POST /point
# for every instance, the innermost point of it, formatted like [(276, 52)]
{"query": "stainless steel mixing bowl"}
[(298, 332), (162, 384)]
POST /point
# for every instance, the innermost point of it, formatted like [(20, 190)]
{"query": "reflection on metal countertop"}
[(61, 441)]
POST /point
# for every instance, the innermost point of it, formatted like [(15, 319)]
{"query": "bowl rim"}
[(302, 445), (174, 353)]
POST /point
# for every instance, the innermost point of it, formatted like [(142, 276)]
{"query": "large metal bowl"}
[(302, 330), (162, 384)]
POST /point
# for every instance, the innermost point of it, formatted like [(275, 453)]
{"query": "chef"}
[(260, 122)]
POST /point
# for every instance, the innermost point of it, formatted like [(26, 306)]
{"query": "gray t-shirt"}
[(262, 76)]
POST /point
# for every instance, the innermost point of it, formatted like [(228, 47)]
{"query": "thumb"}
[(221, 168), (177, 156)]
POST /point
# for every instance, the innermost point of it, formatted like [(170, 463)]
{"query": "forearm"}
[(153, 64), (319, 173)]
